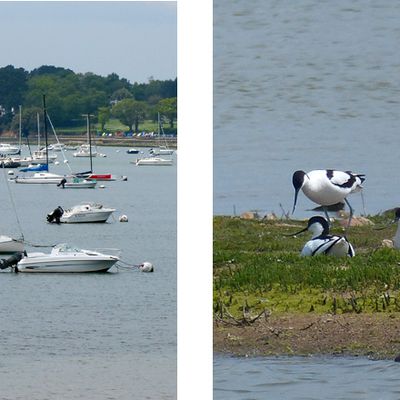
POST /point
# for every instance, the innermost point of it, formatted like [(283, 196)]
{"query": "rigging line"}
[(13, 203), (62, 151), (39, 245)]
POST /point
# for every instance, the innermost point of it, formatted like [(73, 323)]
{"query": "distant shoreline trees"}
[(70, 94)]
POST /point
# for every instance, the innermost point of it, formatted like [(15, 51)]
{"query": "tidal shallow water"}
[(305, 378), (304, 85), (93, 336)]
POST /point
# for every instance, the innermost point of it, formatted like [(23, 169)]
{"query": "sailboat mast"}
[(38, 130), (20, 128), (90, 142), (45, 130)]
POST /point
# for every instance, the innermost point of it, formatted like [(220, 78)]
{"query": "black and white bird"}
[(324, 243), (327, 187), (396, 239)]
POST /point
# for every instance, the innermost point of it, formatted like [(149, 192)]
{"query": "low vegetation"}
[(257, 268)]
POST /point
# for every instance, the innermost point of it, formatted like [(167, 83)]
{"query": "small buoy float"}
[(101, 186), (117, 151), (56, 162), (146, 267), (123, 218), (66, 161), (11, 172), (124, 178)]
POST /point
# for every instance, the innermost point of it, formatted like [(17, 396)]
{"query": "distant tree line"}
[(70, 94)]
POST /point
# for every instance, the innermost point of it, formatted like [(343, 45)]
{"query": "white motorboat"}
[(40, 177), (23, 161), (40, 157), (132, 151), (84, 151), (86, 212), (152, 161), (64, 258), (10, 245), (7, 149), (56, 147), (77, 183), (162, 151)]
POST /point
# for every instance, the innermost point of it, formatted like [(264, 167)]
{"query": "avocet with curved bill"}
[(64, 258), (324, 243), (396, 239), (327, 186)]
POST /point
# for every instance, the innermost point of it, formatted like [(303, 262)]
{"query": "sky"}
[(135, 39)]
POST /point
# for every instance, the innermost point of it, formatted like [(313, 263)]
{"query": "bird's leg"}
[(350, 217), (327, 215)]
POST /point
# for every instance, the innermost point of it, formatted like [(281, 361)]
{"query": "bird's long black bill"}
[(295, 199), (294, 234)]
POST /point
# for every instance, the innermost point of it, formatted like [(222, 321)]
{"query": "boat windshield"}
[(65, 248)]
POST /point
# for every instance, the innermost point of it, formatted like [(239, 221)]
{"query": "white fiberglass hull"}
[(153, 161), (80, 185), (67, 262), (40, 177), (10, 245), (92, 216)]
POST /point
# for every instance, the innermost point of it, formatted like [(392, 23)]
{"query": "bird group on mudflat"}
[(327, 187)]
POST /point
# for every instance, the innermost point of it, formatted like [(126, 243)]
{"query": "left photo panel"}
[(88, 200)]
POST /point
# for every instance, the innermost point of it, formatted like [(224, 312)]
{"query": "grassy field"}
[(257, 268)]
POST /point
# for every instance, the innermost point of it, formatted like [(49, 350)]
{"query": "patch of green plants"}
[(257, 267)]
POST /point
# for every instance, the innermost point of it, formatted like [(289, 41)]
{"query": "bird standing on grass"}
[(327, 186), (324, 243)]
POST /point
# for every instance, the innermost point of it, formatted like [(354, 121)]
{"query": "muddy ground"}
[(372, 335)]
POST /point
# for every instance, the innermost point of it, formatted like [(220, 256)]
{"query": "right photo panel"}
[(306, 259)]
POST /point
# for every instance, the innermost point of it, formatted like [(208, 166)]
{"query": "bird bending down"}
[(324, 243), (327, 186), (396, 239)]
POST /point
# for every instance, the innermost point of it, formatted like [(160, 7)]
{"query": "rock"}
[(249, 215), (387, 243), (356, 221), (270, 217), (397, 359)]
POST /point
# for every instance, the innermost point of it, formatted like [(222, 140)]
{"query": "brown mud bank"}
[(372, 335)]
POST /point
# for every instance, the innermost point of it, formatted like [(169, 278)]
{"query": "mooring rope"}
[(13, 203)]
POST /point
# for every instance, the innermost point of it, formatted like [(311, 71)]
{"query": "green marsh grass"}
[(256, 267)]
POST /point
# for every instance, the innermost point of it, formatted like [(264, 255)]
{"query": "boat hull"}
[(66, 264), (9, 245), (40, 178), (79, 185), (75, 218), (153, 161)]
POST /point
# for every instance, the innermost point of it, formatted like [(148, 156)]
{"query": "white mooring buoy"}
[(146, 267), (123, 218)]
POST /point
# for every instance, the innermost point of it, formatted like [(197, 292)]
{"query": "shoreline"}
[(103, 141), (375, 336)]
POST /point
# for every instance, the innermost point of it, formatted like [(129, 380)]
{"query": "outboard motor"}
[(11, 261), (62, 183), (55, 215)]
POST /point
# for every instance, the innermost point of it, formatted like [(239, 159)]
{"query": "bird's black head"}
[(298, 180), (319, 220)]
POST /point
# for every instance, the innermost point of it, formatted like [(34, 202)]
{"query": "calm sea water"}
[(304, 85), (93, 336), (305, 378)]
